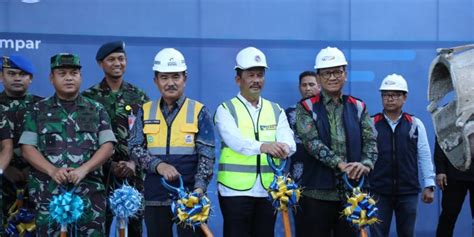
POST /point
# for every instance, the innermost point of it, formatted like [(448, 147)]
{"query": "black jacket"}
[(443, 166)]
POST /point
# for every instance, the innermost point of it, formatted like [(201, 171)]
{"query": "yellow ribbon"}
[(18, 202), (356, 197), (190, 202), (283, 194), (26, 227)]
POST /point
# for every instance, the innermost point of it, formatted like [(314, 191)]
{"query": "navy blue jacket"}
[(396, 169), (316, 175), (186, 165)]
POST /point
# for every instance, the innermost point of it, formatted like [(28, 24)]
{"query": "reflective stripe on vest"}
[(237, 171), (183, 129)]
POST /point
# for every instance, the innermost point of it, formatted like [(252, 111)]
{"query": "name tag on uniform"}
[(268, 127), (156, 121)]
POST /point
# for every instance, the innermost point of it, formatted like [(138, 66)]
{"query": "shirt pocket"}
[(151, 128), (151, 131), (189, 131), (51, 140), (87, 136)]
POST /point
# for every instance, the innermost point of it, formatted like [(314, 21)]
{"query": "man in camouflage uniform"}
[(6, 152), (121, 101), (67, 138), (16, 74)]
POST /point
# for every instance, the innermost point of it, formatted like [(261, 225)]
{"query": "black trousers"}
[(159, 222), (451, 204), (247, 216), (323, 218), (298, 221)]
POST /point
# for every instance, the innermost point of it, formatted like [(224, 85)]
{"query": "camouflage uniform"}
[(68, 140), (5, 133), (5, 129), (15, 109), (115, 103)]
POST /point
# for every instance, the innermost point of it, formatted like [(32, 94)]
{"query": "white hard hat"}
[(250, 57), (394, 82), (329, 57), (169, 60)]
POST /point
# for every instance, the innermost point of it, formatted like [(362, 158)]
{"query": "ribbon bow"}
[(125, 201), (283, 192), (360, 210), (66, 208), (188, 208), (21, 221)]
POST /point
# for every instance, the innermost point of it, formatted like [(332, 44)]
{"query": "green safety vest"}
[(237, 171)]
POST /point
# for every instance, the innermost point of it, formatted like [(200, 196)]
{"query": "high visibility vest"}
[(174, 143), (237, 171), (176, 139)]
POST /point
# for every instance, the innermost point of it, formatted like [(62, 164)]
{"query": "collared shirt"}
[(291, 115), (14, 109), (31, 128), (115, 103), (66, 140), (205, 143), (425, 164), (331, 157), (5, 130), (232, 137)]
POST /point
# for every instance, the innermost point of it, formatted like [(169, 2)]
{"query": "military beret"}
[(65, 60), (108, 48), (18, 62)]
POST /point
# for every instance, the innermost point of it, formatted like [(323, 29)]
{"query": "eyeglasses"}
[(392, 96), (327, 74)]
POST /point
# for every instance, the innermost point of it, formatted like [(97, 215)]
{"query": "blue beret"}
[(18, 62), (108, 48)]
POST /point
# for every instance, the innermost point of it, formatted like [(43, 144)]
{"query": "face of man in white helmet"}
[(393, 101), (114, 65), (15, 81), (171, 85), (309, 86), (332, 79), (251, 82)]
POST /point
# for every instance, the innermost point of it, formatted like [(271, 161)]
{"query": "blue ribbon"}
[(190, 209), (25, 219), (283, 192), (125, 201), (348, 184), (360, 209), (66, 208)]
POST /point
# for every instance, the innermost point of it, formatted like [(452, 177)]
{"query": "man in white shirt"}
[(403, 150), (250, 127)]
